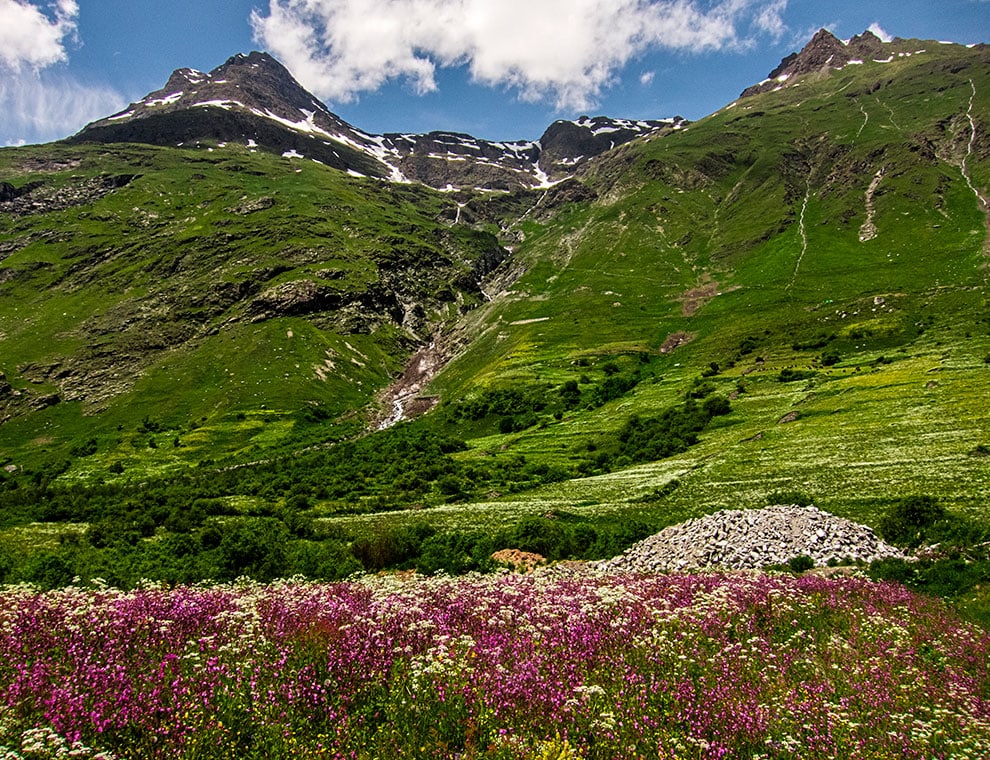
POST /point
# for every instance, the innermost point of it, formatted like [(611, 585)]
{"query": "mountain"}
[(825, 53), (783, 301), (254, 101)]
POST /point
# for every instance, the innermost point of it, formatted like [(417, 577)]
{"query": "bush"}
[(788, 375), (947, 577), (85, 449), (256, 548), (711, 370), (455, 553), (392, 546), (716, 406), (49, 571), (801, 563), (540, 535), (909, 518)]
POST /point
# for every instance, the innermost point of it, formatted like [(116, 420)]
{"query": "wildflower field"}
[(562, 664)]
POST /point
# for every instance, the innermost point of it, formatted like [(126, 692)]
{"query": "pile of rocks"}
[(753, 538)]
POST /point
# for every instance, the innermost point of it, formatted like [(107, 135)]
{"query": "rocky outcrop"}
[(36, 198), (826, 52), (565, 144), (751, 539)]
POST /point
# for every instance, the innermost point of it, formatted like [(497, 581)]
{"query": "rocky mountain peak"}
[(867, 45), (254, 100), (825, 52), (255, 82), (566, 143)]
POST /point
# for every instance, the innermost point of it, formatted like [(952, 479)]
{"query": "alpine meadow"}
[(290, 411)]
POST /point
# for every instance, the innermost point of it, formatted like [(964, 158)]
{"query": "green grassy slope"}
[(818, 255), (211, 286), (743, 233)]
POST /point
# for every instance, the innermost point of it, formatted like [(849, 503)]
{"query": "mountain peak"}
[(825, 52), (254, 100), (262, 63)]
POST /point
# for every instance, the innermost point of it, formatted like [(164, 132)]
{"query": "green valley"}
[(785, 301)]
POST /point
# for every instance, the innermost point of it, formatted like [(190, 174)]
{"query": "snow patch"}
[(225, 104), (292, 154), (164, 101)]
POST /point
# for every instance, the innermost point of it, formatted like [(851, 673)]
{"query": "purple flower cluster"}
[(553, 664)]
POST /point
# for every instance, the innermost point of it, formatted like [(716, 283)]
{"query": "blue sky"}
[(498, 69)]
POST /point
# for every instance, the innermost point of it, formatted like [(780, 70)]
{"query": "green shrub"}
[(788, 375), (85, 449), (906, 522), (540, 535)]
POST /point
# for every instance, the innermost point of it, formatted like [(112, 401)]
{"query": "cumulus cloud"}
[(39, 105), (34, 36), (42, 107), (879, 32), (646, 78), (563, 51)]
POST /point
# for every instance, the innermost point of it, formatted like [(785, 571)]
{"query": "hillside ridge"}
[(826, 52), (254, 100)]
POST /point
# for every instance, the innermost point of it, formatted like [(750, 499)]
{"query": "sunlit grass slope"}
[(832, 228), (208, 289)]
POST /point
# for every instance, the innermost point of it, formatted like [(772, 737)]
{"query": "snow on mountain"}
[(825, 51), (253, 100)]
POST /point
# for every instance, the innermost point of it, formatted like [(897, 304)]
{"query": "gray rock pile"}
[(753, 538)]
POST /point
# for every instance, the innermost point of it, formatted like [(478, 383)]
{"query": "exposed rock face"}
[(568, 143), (824, 52), (250, 99), (453, 160), (35, 198), (751, 539), (253, 100)]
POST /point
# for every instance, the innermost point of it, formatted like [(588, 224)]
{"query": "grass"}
[(146, 297), (741, 232)]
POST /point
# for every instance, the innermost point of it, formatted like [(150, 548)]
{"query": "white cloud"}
[(43, 107), (32, 37), (879, 32), (39, 105), (646, 78), (770, 19), (563, 51)]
